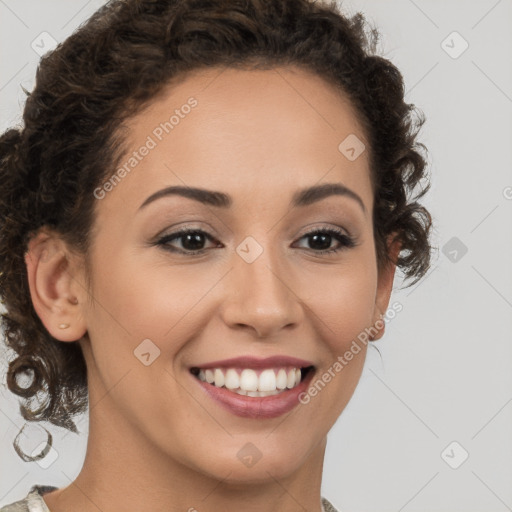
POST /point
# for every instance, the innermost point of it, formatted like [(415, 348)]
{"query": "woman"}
[(201, 221)]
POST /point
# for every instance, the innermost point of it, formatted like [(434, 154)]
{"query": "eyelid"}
[(179, 233), (205, 228), (347, 241), (342, 236), (307, 230), (313, 228)]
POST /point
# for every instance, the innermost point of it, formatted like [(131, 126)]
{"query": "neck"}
[(124, 471)]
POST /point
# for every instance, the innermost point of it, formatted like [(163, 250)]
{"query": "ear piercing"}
[(74, 301)]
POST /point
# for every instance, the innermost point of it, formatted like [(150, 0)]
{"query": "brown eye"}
[(192, 241), (320, 240)]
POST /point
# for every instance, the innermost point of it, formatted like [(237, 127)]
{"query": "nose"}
[(259, 297)]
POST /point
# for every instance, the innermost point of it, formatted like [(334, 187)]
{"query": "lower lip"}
[(257, 407)]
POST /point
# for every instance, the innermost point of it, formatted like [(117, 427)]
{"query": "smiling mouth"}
[(250, 382)]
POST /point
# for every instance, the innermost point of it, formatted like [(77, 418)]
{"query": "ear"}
[(57, 296), (385, 286)]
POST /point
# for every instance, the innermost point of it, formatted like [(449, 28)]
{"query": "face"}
[(251, 281)]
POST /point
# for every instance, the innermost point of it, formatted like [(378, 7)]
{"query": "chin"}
[(248, 464)]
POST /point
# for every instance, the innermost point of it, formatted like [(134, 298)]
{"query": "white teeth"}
[(219, 377), (249, 380), (270, 381), (267, 381), (258, 393), (232, 381), (290, 382), (281, 379)]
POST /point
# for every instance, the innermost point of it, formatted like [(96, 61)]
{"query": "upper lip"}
[(254, 362)]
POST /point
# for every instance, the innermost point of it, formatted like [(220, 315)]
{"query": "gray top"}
[(34, 502)]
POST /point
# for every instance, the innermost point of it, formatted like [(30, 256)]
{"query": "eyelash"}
[(346, 241)]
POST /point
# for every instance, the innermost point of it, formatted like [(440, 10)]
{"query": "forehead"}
[(243, 131)]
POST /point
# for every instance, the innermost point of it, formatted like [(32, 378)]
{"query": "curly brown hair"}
[(113, 66)]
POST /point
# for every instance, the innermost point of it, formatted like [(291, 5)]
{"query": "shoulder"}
[(326, 506), (33, 502)]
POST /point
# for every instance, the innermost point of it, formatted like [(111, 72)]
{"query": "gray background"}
[(445, 373)]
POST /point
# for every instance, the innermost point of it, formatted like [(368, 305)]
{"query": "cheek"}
[(138, 299), (135, 300), (342, 297)]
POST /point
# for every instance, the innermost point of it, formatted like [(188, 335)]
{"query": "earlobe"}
[(53, 289)]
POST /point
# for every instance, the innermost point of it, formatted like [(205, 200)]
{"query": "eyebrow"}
[(303, 197)]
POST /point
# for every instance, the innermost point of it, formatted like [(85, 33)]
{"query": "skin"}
[(156, 441)]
